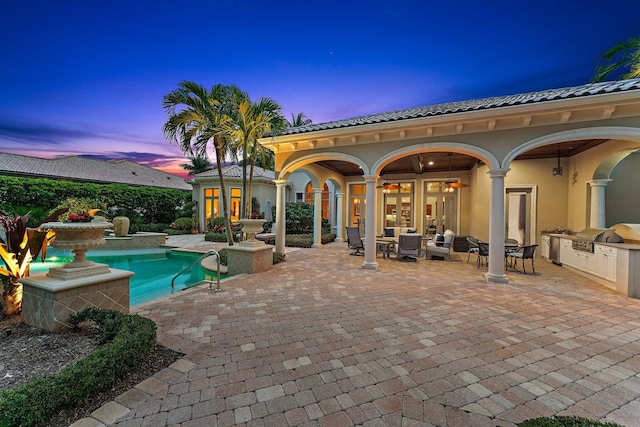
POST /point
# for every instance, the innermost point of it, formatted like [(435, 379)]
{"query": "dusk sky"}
[(87, 77)]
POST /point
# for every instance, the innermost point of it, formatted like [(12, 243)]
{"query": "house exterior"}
[(74, 168), (556, 158), (208, 197)]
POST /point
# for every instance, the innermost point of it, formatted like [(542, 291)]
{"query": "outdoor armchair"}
[(408, 247)]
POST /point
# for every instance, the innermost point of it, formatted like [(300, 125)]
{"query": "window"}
[(236, 204), (211, 203)]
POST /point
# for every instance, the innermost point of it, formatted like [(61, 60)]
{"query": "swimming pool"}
[(153, 268)]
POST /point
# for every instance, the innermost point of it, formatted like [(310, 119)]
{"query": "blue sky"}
[(87, 78)]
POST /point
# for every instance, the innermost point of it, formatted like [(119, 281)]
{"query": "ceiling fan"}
[(449, 185)]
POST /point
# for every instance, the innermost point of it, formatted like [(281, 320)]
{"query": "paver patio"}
[(318, 341)]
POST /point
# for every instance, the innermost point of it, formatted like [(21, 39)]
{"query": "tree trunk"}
[(223, 190), (11, 298)]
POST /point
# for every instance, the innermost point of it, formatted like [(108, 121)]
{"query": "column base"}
[(369, 265), (492, 278)]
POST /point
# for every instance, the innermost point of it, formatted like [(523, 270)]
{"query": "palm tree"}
[(198, 118), (299, 120), (253, 121), (199, 163), (622, 56)]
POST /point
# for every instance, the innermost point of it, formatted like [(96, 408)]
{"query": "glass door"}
[(441, 208)]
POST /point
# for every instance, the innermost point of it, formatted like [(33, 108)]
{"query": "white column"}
[(317, 218), (597, 212), (496, 228), (339, 215), (370, 262), (281, 218)]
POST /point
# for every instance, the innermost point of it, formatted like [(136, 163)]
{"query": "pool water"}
[(154, 269)]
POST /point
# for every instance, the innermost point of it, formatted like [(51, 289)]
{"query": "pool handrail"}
[(203, 256)]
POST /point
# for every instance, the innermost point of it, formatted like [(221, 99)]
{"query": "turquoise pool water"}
[(153, 269)]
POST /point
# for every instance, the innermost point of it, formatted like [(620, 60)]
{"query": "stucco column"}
[(496, 228), (281, 218), (317, 218), (597, 212), (339, 214), (370, 262)]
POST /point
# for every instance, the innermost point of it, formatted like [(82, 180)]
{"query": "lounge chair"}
[(441, 249), (408, 247), (354, 241)]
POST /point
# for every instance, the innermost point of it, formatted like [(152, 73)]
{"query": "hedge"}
[(140, 204), (129, 340)]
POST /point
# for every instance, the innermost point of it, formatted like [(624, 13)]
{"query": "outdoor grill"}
[(584, 240)]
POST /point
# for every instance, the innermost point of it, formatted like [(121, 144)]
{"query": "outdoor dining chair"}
[(524, 252), (354, 241)]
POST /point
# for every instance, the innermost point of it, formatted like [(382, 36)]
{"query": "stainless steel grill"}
[(585, 239)]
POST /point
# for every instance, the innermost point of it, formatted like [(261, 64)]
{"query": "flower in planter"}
[(255, 215), (80, 217)]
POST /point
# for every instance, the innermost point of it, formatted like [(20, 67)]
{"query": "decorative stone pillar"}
[(496, 228), (281, 217), (317, 218), (370, 262), (49, 299), (339, 216), (597, 211)]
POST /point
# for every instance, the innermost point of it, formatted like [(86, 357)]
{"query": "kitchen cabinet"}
[(606, 262), (566, 253), (544, 247), (584, 261)]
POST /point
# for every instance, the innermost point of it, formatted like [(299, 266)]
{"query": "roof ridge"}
[(474, 104)]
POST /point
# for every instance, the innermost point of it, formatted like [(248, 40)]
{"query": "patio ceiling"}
[(419, 163)]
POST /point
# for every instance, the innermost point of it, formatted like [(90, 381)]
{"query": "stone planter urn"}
[(121, 226), (252, 227), (79, 237)]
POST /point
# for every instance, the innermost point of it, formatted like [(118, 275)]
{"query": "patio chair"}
[(441, 249), (524, 252), (483, 253), (408, 247), (473, 247), (354, 241)]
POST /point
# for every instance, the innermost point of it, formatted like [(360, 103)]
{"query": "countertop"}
[(627, 246)]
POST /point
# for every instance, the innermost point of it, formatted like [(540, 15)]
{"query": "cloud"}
[(41, 133)]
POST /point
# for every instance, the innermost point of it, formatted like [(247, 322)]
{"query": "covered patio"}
[(513, 145)]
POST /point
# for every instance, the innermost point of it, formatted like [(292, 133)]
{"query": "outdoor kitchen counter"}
[(615, 265)]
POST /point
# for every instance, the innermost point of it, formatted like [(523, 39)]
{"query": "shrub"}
[(183, 223), (153, 228), (210, 236), (216, 224), (139, 204), (278, 257), (129, 340), (565, 421)]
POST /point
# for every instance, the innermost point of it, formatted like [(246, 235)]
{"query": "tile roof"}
[(235, 171), (90, 170), (473, 105)]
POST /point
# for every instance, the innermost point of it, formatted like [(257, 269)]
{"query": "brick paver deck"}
[(318, 341)]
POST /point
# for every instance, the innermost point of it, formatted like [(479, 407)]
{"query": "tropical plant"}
[(199, 118), (254, 120), (199, 163), (622, 56), (299, 120), (18, 246)]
